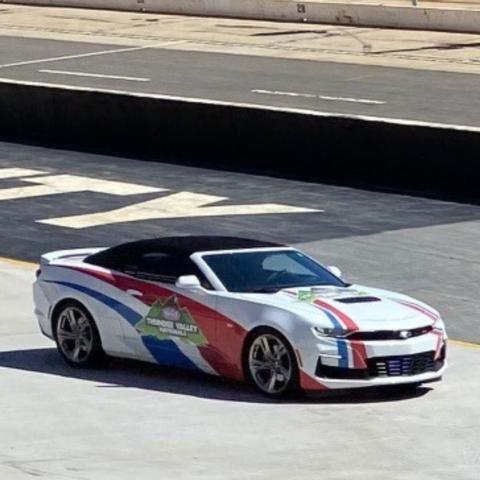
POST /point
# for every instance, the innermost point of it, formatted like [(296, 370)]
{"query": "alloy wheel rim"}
[(74, 334), (270, 364)]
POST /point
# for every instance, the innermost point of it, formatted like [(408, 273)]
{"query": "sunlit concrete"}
[(130, 419)]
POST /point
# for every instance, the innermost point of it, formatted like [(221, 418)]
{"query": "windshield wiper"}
[(276, 288), (265, 290)]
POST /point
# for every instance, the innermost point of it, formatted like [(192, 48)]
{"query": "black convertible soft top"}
[(182, 246)]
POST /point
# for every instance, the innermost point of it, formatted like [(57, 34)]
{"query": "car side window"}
[(167, 268), (149, 265), (158, 264)]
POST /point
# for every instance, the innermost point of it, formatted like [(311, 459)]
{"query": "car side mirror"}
[(335, 270), (190, 282)]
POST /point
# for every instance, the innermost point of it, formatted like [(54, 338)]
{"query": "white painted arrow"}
[(18, 172), (57, 184), (177, 205)]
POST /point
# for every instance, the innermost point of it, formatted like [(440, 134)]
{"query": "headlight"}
[(331, 332)]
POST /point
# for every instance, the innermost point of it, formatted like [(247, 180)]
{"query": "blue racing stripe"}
[(343, 352), (130, 315), (165, 352), (341, 344), (332, 318)]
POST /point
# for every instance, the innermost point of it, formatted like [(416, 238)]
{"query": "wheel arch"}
[(251, 335), (58, 307), (259, 329), (96, 355)]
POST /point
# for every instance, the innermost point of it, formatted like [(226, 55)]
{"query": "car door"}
[(179, 326)]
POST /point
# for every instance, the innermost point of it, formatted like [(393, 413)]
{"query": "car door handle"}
[(134, 293)]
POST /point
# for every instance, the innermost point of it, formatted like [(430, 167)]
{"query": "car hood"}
[(367, 308)]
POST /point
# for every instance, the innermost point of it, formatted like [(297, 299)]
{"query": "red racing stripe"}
[(309, 383), (348, 323), (229, 370), (359, 354), (149, 291), (438, 348), (218, 329), (419, 308)]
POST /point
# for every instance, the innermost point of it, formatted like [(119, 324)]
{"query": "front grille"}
[(394, 366), (403, 365), (390, 334), (327, 371)]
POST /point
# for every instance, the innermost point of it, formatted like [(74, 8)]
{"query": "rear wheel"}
[(77, 337), (270, 363)]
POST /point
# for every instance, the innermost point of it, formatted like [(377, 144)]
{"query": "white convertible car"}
[(244, 309)]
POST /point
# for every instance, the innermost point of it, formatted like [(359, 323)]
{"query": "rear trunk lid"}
[(61, 256)]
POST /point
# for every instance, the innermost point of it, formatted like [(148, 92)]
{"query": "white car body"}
[(213, 338)]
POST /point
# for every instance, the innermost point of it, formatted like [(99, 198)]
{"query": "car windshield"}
[(268, 271)]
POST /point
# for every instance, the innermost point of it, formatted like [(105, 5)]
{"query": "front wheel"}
[(77, 337), (270, 364)]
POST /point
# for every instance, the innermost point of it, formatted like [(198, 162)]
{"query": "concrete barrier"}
[(283, 143), (386, 16)]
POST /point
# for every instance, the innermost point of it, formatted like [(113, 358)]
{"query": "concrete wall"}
[(287, 144), (409, 17)]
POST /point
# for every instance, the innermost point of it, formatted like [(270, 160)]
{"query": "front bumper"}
[(321, 384), (340, 364), (388, 366)]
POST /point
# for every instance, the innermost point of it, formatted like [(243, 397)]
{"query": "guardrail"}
[(380, 15)]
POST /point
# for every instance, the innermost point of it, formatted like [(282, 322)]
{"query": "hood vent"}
[(359, 299)]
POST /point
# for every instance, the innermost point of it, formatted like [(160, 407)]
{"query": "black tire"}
[(291, 385), (93, 356)]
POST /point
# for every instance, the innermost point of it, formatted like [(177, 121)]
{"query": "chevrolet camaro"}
[(240, 308)]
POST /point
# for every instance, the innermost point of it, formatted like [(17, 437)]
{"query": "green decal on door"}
[(166, 320)]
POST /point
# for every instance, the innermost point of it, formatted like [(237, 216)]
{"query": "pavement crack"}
[(23, 468), (323, 33), (446, 46)]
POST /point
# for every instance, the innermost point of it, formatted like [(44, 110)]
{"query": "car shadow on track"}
[(133, 374)]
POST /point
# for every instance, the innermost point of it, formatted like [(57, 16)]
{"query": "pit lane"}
[(152, 69)]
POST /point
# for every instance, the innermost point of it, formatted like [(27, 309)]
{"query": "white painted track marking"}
[(364, 101), (18, 172), (95, 75), (89, 54), (99, 185), (57, 184), (177, 205), (255, 106)]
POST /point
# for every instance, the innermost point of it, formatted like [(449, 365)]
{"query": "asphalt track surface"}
[(415, 95), (423, 247)]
